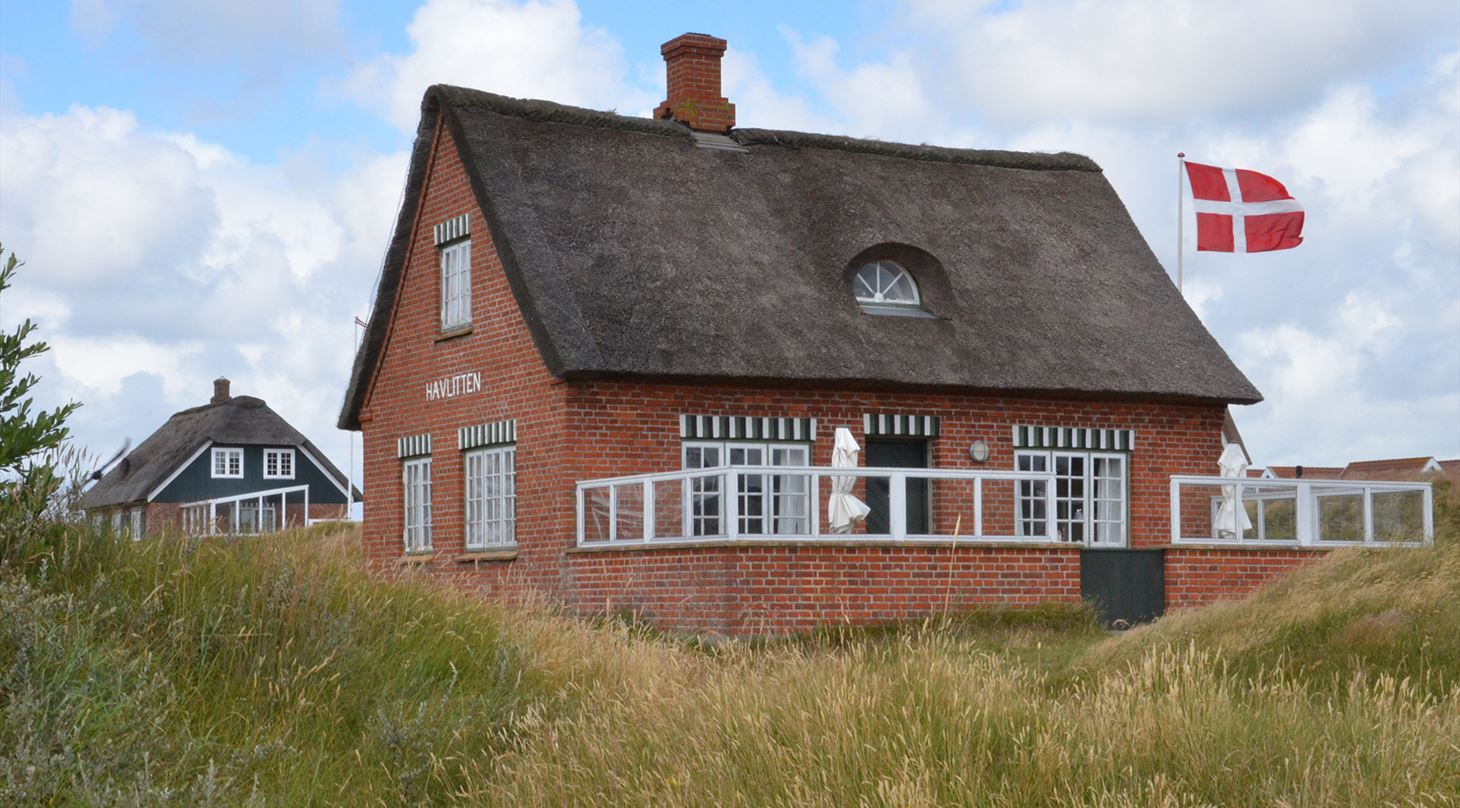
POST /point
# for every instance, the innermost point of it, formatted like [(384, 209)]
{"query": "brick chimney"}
[(220, 390), (692, 64)]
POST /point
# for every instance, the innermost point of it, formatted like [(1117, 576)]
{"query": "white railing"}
[(1301, 513), (788, 503), (200, 518)]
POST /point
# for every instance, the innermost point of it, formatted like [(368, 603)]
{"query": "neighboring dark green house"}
[(230, 466)]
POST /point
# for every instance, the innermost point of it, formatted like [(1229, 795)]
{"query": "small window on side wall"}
[(456, 285), (884, 287)]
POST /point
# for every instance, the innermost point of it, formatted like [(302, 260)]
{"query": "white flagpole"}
[(1180, 213)]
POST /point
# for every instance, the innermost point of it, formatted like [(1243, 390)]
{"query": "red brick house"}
[(608, 357)]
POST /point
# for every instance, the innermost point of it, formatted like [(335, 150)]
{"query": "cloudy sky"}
[(207, 188)]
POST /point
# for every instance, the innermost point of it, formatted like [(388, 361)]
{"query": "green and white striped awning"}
[(916, 426), (1064, 437), (497, 432), (745, 427), (413, 445), (453, 229)]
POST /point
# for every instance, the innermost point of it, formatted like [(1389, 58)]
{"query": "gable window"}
[(491, 498), (1089, 496), (227, 464), (455, 285), (278, 464), (416, 484), (885, 287)]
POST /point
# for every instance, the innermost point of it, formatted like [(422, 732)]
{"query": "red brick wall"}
[(516, 384), (1198, 575), (572, 431), (770, 589)]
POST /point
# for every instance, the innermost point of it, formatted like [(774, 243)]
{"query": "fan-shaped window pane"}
[(883, 283)]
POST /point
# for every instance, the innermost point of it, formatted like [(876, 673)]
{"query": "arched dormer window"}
[(884, 287)]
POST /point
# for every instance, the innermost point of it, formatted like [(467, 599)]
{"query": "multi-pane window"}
[(1089, 496), (491, 498), (455, 285), (227, 463), (278, 464), (416, 484), (768, 504), (883, 283)]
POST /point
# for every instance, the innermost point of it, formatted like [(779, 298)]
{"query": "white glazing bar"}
[(1306, 513), (978, 506), (730, 511), (1429, 513), (580, 515), (1368, 515), (897, 505), (815, 483), (613, 513), (1175, 511), (648, 504), (1238, 511), (1051, 524)]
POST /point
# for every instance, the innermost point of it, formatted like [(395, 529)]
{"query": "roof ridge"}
[(553, 112)]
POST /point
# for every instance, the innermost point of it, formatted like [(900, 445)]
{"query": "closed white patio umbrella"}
[(844, 510), (1233, 463)]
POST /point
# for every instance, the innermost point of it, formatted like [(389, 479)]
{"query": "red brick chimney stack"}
[(692, 62), (220, 390)]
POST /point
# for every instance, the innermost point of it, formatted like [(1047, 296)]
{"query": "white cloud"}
[(537, 49), (1132, 61), (158, 261)]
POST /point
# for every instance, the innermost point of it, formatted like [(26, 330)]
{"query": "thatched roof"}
[(634, 253), (238, 421)]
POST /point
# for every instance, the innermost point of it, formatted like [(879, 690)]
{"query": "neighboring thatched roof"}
[(634, 253), (238, 421)]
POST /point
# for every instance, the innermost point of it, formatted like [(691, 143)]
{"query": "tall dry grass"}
[(275, 672)]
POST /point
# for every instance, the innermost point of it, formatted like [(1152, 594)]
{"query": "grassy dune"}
[(274, 672)]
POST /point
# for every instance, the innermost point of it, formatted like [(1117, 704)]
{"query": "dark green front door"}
[(897, 454)]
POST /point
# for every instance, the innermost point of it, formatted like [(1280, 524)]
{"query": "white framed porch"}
[(254, 513)]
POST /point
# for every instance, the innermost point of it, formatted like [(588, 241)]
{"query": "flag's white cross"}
[(1239, 210)]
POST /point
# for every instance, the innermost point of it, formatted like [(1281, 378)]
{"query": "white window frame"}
[(456, 285), (279, 455), (784, 501), (872, 295), (490, 476), (1081, 512), (416, 505), (225, 454)]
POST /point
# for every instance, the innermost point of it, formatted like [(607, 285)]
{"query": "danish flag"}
[(1242, 211)]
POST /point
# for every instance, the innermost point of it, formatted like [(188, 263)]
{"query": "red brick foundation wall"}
[(1196, 576), (771, 589)]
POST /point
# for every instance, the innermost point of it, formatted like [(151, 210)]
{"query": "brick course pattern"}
[(577, 430), (1197, 576)]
